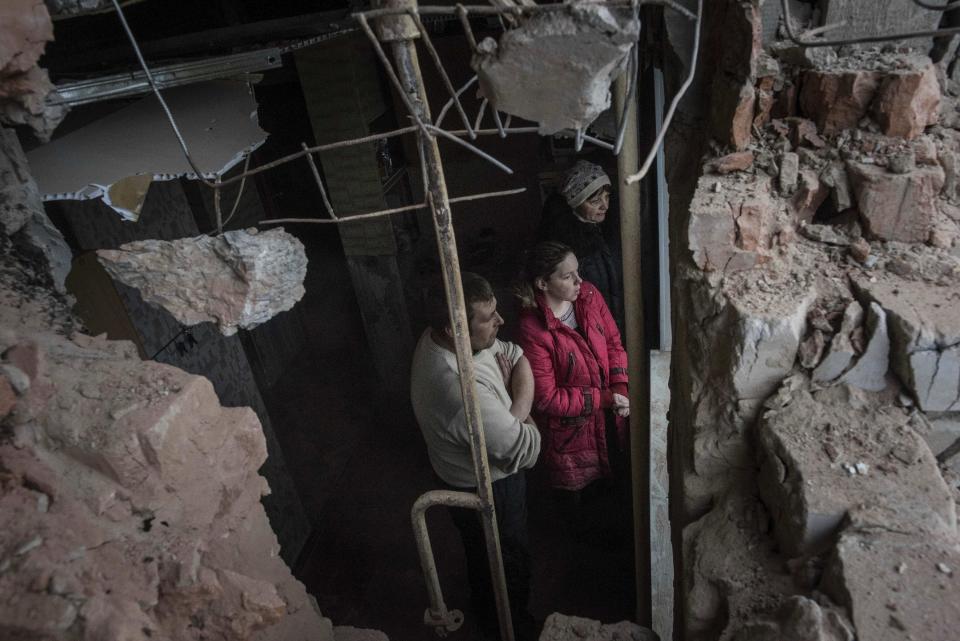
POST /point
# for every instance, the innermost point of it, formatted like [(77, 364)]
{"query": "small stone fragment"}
[(811, 349), (943, 567), (902, 163), (860, 250), (789, 171), (737, 161)]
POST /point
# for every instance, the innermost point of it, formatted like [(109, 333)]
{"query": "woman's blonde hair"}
[(539, 262)]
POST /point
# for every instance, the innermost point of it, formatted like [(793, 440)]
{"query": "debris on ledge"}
[(240, 279)]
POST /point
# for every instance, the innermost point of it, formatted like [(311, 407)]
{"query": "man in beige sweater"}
[(505, 396)]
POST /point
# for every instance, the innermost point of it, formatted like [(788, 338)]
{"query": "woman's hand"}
[(621, 405)]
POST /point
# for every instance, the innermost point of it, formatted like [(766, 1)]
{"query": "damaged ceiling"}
[(116, 157)]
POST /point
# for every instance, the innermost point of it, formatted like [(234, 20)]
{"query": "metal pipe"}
[(408, 69), (638, 360), (437, 614)]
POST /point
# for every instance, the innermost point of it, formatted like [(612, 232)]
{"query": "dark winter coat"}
[(574, 372), (598, 264)]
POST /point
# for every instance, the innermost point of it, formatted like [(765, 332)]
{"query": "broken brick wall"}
[(130, 496), (815, 382)]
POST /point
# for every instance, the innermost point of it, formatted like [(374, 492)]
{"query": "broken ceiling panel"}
[(116, 157), (239, 279), (557, 67)]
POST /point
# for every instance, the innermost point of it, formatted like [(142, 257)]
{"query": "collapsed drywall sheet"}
[(115, 158)]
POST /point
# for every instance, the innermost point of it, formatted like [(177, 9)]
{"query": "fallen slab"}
[(239, 279), (827, 452), (896, 586)]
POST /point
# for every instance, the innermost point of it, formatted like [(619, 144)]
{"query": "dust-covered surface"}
[(817, 365)]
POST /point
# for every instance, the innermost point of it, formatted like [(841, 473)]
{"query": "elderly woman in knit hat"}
[(573, 216)]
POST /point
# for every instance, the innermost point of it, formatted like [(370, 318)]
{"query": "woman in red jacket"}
[(579, 368)]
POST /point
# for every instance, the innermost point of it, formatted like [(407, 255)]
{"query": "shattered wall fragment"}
[(239, 279)]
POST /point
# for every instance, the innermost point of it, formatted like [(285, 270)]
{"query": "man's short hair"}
[(476, 289)]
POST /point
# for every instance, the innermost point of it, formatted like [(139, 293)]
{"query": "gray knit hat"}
[(581, 181)]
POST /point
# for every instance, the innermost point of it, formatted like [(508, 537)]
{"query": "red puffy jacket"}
[(574, 375)]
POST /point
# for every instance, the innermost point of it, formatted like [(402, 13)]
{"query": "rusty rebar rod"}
[(346, 218), (443, 72), (316, 176), (413, 87), (446, 107)]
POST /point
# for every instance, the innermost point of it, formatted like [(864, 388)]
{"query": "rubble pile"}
[(129, 498), (816, 373)]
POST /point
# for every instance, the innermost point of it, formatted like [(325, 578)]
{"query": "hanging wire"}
[(236, 203), (676, 100), (156, 92)]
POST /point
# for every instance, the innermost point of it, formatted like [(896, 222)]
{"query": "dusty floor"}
[(360, 463)]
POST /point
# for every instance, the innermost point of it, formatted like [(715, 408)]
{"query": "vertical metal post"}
[(408, 70), (638, 368)]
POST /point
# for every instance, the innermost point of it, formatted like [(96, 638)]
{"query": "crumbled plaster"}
[(556, 68)]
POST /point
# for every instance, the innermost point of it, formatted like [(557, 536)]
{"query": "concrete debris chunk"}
[(808, 495), (908, 100), (922, 599), (237, 280), (925, 340), (841, 350), (560, 627), (800, 619), (837, 99), (529, 72), (789, 171), (870, 371), (898, 207)]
